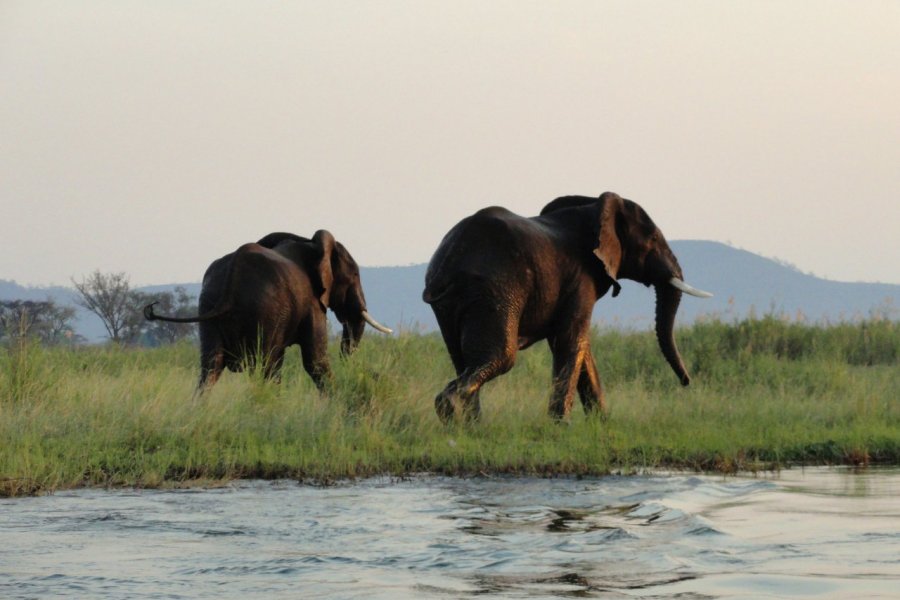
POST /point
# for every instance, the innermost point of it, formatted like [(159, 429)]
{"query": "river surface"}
[(802, 533)]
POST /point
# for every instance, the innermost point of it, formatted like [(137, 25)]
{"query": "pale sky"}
[(153, 137)]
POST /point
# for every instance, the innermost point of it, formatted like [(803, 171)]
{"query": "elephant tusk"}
[(689, 289), (375, 323)]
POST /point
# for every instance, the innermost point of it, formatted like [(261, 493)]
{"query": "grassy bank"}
[(765, 393)]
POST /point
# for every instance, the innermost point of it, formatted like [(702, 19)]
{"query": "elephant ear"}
[(564, 202), (609, 247), (277, 237), (323, 241)]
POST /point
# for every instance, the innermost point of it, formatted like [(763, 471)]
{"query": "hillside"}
[(741, 281)]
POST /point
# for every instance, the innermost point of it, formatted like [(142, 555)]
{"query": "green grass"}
[(765, 394)]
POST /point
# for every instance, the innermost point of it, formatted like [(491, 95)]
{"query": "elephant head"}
[(629, 245), (340, 288)]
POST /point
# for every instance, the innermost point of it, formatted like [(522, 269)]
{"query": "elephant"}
[(499, 282), (268, 295)]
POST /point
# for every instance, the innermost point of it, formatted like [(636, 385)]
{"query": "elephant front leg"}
[(590, 389), (314, 352), (568, 364), (319, 370)]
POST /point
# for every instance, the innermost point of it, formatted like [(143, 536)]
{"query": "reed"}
[(766, 393)]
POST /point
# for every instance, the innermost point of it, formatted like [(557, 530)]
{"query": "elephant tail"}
[(224, 304), (207, 316)]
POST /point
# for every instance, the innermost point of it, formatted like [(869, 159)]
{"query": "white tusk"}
[(375, 323), (688, 289)]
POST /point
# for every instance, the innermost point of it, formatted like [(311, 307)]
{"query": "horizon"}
[(151, 139), (777, 260), (393, 293)]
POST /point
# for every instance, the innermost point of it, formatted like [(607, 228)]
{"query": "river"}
[(800, 533)]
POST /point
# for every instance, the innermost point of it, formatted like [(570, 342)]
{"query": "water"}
[(830, 533)]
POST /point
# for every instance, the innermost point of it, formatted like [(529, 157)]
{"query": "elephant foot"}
[(471, 409), (597, 412), (560, 408), (324, 382), (447, 402), (443, 405), (593, 407)]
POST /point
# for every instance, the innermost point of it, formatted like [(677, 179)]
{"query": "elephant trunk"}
[(354, 328), (667, 300), (353, 332)]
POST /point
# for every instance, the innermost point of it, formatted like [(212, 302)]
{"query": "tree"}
[(45, 321), (109, 296), (18, 317), (178, 304), (56, 325)]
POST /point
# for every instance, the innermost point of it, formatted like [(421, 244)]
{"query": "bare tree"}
[(109, 296)]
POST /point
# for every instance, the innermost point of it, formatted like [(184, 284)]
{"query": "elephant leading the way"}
[(264, 297), (499, 282)]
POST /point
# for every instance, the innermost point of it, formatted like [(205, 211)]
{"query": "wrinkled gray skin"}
[(500, 282), (267, 296)]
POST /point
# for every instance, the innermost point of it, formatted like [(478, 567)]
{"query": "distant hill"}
[(741, 281)]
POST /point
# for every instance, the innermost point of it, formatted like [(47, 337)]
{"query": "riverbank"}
[(765, 394)]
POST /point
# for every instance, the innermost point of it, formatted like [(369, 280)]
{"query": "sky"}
[(153, 137)]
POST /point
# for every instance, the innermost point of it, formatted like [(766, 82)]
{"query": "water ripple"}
[(657, 536)]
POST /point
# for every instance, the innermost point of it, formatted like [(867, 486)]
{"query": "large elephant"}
[(499, 282), (264, 297)]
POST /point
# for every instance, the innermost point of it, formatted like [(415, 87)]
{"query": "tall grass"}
[(765, 393)]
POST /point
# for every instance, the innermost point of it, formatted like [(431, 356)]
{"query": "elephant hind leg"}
[(444, 402), (212, 364), (212, 357), (486, 350), (272, 367), (463, 393)]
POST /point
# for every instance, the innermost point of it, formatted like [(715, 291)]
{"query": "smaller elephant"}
[(264, 297)]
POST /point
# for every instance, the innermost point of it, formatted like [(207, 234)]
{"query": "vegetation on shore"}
[(765, 394)]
